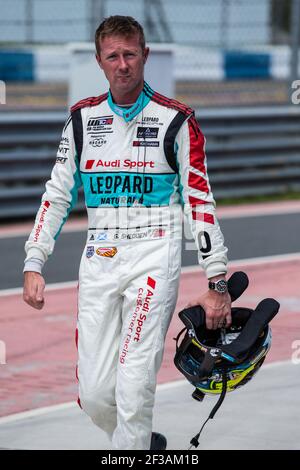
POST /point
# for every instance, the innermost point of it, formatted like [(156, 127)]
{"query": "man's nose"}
[(122, 63)]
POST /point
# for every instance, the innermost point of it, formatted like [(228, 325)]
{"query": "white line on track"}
[(250, 262), (260, 209), (49, 287), (184, 270), (69, 405), (226, 212), (24, 230)]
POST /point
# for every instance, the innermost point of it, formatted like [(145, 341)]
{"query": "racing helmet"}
[(222, 360), (205, 356)]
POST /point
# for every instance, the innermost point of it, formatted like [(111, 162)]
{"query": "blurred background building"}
[(248, 46)]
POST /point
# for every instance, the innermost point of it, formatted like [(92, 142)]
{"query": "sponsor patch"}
[(101, 237), (40, 224), (120, 184), (101, 121), (99, 125), (130, 331), (149, 292), (97, 142), (147, 133), (143, 143), (158, 233), (61, 160), (150, 119), (127, 163), (107, 252), (62, 149), (90, 251), (130, 236)]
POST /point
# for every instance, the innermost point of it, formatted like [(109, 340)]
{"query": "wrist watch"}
[(219, 286)]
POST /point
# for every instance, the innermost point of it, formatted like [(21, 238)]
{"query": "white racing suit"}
[(138, 166)]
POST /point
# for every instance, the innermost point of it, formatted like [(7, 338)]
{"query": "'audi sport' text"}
[(145, 309), (46, 206), (117, 164)]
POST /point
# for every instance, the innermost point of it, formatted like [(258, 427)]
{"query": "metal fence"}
[(250, 152), (217, 23), (236, 42)]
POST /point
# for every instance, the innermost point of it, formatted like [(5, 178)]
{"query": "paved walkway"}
[(265, 414)]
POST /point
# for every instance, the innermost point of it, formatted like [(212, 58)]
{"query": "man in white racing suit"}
[(140, 157)]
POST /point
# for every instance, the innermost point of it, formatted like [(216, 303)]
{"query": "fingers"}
[(210, 321), (40, 293), (33, 293), (217, 319), (217, 309), (228, 320)]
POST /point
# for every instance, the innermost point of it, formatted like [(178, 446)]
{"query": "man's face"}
[(122, 60)]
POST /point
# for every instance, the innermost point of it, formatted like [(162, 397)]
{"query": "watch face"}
[(221, 286)]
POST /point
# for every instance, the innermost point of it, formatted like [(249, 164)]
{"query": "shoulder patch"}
[(88, 102)]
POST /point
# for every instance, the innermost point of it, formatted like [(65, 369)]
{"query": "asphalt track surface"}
[(247, 236)]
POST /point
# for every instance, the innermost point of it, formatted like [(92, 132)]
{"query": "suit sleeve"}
[(58, 199), (199, 204)]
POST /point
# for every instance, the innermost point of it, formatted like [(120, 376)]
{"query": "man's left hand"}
[(217, 309)]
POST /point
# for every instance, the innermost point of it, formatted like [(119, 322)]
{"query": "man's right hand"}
[(33, 291)]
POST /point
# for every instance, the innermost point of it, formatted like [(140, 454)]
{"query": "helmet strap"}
[(195, 440)]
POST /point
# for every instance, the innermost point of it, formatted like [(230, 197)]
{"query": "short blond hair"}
[(118, 25)]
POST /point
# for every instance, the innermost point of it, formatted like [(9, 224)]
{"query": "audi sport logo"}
[(127, 163), (40, 224)]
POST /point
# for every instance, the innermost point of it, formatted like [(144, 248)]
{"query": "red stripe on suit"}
[(209, 218), (198, 182), (197, 142)]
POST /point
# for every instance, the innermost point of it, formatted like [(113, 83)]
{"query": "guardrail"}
[(250, 151)]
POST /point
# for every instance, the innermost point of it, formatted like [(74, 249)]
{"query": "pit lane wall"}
[(52, 63)]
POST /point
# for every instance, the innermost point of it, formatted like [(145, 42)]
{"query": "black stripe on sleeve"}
[(169, 140), (67, 123), (78, 132)]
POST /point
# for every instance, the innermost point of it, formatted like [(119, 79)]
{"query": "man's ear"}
[(146, 54), (98, 60)]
